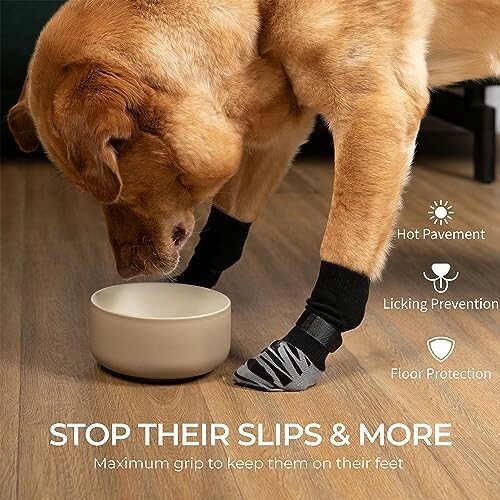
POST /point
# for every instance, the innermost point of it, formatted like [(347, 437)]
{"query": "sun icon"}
[(441, 213)]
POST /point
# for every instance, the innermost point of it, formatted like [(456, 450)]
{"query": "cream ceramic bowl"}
[(160, 330)]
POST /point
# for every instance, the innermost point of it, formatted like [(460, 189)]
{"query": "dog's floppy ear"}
[(21, 122), (92, 110)]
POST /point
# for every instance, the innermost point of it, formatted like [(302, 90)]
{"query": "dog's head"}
[(147, 155)]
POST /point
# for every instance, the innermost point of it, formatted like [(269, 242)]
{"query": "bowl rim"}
[(167, 318)]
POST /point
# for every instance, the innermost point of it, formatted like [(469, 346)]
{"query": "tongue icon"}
[(440, 282)]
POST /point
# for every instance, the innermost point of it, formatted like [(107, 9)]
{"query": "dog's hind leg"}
[(241, 200)]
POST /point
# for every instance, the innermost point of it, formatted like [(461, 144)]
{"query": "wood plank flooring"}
[(55, 254)]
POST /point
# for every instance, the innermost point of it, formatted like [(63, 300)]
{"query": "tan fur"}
[(156, 106)]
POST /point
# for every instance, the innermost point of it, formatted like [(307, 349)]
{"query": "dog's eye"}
[(117, 144)]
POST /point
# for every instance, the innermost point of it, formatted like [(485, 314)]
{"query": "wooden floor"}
[(55, 254)]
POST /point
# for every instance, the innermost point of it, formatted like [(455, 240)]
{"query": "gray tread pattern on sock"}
[(296, 367)]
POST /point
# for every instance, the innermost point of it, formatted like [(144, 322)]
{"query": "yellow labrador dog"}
[(154, 106)]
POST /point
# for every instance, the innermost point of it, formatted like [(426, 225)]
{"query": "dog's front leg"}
[(374, 142), (241, 199)]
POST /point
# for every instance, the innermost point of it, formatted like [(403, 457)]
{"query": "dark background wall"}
[(21, 22)]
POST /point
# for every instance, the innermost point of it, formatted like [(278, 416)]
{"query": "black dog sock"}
[(297, 361), (220, 246), (339, 296)]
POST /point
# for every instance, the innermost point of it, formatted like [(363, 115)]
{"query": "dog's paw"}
[(279, 367)]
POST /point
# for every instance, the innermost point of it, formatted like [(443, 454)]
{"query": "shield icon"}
[(441, 348)]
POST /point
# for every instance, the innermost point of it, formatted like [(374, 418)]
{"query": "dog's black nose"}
[(179, 234)]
